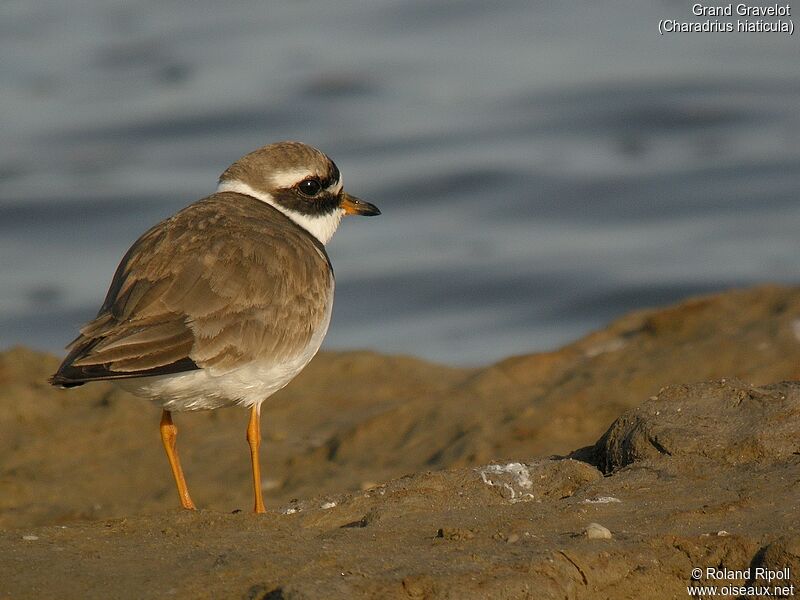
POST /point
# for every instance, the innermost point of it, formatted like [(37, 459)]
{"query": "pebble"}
[(595, 531), (601, 500), (457, 534), (30, 538)]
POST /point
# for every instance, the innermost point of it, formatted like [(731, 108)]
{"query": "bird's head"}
[(298, 180)]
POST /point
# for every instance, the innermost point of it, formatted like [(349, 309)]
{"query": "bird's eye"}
[(309, 187)]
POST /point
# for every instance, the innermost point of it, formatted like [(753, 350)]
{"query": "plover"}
[(224, 302)]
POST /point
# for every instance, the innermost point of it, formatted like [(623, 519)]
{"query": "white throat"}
[(321, 227)]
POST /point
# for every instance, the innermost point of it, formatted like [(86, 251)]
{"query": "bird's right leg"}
[(169, 433), (254, 441)]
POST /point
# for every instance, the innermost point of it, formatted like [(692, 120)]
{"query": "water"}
[(542, 167)]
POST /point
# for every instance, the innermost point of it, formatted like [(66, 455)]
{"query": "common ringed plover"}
[(226, 301)]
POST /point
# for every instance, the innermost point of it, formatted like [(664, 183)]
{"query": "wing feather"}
[(183, 298)]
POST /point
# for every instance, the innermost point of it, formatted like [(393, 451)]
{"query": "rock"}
[(497, 530), (457, 534), (595, 531), (725, 421), (356, 417), (779, 563), (696, 475), (539, 479)]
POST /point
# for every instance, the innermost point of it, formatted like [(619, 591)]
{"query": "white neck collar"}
[(321, 227)]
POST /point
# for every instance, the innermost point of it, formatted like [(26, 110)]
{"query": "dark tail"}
[(59, 380)]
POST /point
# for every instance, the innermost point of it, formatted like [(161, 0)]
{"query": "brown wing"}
[(226, 280)]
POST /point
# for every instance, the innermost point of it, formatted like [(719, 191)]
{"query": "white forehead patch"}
[(335, 188), (286, 179)]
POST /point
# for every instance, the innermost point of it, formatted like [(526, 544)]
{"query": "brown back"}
[(225, 281)]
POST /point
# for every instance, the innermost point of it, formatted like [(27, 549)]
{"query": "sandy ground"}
[(392, 477)]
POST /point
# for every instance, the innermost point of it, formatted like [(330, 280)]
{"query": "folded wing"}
[(226, 281)]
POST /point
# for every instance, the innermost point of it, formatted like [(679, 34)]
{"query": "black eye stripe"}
[(293, 199)]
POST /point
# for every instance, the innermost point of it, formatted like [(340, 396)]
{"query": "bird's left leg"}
[(169, 433)]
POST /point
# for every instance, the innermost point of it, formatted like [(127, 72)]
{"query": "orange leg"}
[(169, 434), (254, 440)]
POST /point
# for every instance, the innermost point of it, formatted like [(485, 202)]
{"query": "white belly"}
[(248, 385)]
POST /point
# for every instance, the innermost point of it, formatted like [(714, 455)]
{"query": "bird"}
[(226, 301)]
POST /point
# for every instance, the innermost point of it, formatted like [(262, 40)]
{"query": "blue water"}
[(542, 167)]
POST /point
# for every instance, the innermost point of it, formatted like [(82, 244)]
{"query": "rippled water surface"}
[(542, 167)]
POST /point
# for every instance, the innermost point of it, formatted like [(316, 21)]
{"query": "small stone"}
[(512, 539), (722, 533), (30, 538), (456, 534), (595, 531), (601, 500)]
